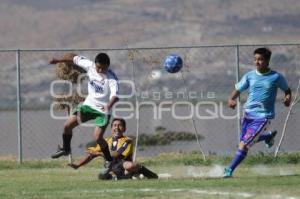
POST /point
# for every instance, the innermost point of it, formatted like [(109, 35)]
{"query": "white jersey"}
[(101, 87)]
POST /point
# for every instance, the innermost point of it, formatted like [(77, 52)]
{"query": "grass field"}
[(179, 179)]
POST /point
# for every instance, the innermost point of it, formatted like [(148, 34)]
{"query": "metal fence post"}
[(238, 107), (20, 152)]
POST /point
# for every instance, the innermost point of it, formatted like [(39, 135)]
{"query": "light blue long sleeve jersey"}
[(262, 92)]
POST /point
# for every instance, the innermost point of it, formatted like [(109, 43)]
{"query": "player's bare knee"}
[(131, 166), (68, 128), (70, 124), (243, 147), (127, 165)]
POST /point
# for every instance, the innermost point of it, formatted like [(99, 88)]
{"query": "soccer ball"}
[(173, 63)]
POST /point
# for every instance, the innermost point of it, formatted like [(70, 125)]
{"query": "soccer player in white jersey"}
[(262, 85), (102, 95)]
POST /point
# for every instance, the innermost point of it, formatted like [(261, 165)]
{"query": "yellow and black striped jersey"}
[(122, 146)]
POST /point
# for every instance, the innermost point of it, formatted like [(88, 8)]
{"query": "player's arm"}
[(112, 101), (282, 84), (68, 60), (113, 98), (124, 151), (232, 98), (83, 161), (110, 104), (241, 86), (115, 154), (119, 154), (287, 97)]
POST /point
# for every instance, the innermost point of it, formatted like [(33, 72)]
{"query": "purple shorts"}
[(251, 128)]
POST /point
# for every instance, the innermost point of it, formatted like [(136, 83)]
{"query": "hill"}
[(140, 23), (136, 23)]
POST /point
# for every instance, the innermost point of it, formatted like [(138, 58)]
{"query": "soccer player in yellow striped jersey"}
[(120, 146), (102, 95), (121, 150)]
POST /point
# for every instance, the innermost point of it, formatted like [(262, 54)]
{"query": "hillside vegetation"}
[(117, 23)]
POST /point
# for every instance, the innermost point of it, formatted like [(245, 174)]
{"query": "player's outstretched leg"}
[(147, 173), (135, 169)]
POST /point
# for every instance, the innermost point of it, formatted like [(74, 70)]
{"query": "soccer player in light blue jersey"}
[(262, 85)]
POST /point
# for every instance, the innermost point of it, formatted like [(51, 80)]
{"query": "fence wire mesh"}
[(163, 111), (8, 113)]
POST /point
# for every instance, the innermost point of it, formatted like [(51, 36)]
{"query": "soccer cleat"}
[(227, 173), (114, 177), (270, 141), (60, 152)]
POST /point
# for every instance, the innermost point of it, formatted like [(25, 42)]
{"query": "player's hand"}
[(287, 101), (114, 154), (231, 103), (104, 109), (53, 61)]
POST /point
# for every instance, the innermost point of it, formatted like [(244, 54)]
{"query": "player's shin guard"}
[(237, 159), (67, 142), (147, 173)]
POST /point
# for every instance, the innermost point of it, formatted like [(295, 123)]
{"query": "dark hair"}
[(102, 58), (123, 122), (265, 52)]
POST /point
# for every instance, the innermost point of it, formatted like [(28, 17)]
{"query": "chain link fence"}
[(166, 113)]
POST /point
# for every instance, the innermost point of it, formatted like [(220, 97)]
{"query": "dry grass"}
[(68, 71), (63, 102), (8, 158)]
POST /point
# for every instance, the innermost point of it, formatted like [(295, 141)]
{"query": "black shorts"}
[(118, 169)]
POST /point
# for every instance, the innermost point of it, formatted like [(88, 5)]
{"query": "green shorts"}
[(88, 113)]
